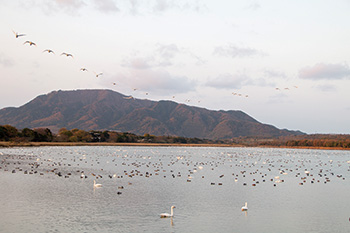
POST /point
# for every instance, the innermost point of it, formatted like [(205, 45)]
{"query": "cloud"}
[(237, 81), (157, 81), (228, 81), (107, 6), (254, 6), (134, 6), (6, 62), (162, 55), (138, 63), (234, 51), (327, 88), (50, 7), (167, 53), (165, 5), (280, 98), (325, 71), (162, 5), (274, 74)]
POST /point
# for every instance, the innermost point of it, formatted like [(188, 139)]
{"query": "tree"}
[(29, 134)]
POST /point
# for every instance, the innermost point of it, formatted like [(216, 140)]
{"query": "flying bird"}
[(83, 69), (67, 54), (17, 34), (49, 51), (114, 84), (30, 43), (98, 74)]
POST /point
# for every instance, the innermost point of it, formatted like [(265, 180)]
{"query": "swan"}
[(98, 74), (49, 51), (97, 185), (30, 43), (17, 34), (67, 54), (245, 208), (166, 215)]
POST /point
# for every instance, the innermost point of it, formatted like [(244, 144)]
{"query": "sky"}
[(284, 63)]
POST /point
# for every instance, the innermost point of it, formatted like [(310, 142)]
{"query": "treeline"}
[(10, 133), (311, 140)]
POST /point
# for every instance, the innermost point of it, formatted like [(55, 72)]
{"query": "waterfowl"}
[(245, 207), (166, 215), (17, 34), (49, 51), (30, 43), (97, 185), (67, 54)]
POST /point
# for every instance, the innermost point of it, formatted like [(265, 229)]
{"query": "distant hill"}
[(109, 110)]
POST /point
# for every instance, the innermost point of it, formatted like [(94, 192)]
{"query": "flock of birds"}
[(220, 168), (65, 54), (130, 97)]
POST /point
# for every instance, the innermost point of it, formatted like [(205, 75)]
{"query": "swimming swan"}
[(166, 215), (97, 185), (245, 208)]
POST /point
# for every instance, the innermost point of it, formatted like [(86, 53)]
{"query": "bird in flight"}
[(83, 69), (17, 34), (98, 74), (114, 84), (49, 51), (30, 43), (67, 54)]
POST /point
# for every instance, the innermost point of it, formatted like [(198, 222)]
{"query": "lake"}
[(287, 190)]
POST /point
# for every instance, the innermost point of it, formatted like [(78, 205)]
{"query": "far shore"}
[(40, 144)]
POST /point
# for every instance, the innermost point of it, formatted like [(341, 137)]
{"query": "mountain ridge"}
[(109, 110)]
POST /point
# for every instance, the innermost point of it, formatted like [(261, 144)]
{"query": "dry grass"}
[(29, 144), (37, 144)]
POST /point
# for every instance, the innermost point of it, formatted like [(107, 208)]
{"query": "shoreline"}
[(40, 144)]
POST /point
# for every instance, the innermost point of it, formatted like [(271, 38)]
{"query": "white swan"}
[(166, 215), (97, 185), (245, 208)]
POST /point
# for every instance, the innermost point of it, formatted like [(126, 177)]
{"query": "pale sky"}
[(291, 58)]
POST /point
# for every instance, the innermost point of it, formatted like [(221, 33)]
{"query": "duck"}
[(166, 215)]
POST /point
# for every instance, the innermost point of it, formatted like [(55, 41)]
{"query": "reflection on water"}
[(286, 190)]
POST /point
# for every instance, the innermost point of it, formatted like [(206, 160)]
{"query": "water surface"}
[(286, 190)]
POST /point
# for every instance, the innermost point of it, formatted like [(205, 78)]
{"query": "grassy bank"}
[(29, 144), (38, 144)]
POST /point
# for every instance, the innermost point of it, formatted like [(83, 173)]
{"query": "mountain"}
[(109, 110)]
